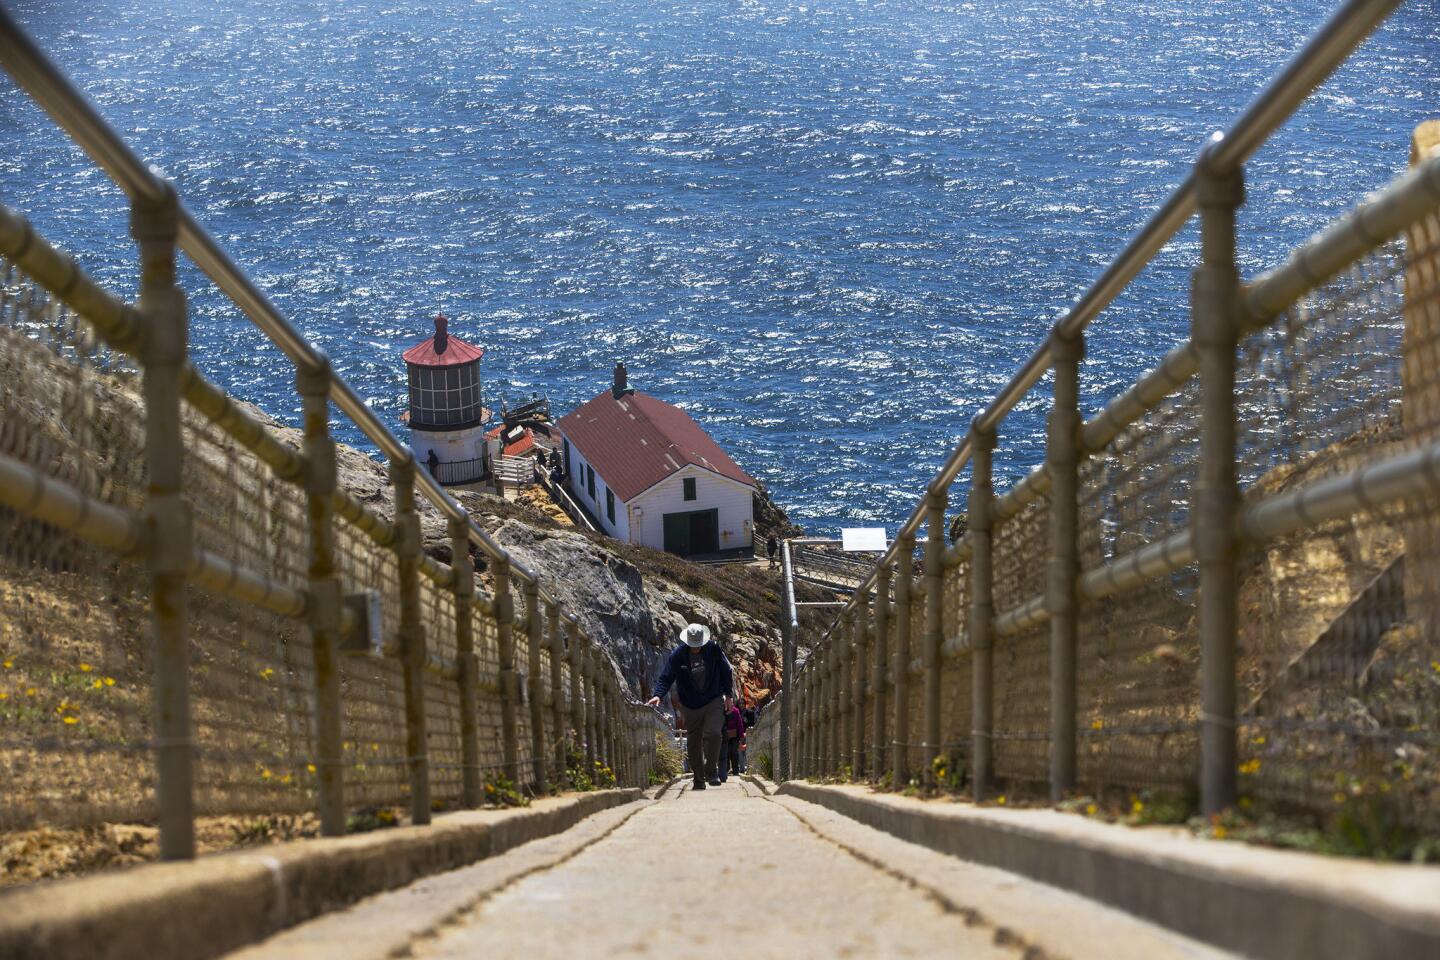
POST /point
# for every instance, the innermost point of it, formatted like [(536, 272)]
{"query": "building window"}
[(445, 397), (610, 505), (590, 481), (689, 488)]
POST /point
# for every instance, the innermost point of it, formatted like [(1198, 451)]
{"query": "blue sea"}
[(830, 230)]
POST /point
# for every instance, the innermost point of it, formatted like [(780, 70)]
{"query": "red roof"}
[(637, 441), (514, 448), (442, 350)]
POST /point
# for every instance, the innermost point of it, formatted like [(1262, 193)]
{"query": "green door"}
[(677, 533), (692, 532)]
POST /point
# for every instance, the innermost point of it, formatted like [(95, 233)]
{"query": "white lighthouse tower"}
[(447, 422)]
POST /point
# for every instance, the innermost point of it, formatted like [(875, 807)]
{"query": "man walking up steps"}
[(701, 676)]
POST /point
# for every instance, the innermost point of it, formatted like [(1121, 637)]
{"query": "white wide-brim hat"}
[(694, 630)]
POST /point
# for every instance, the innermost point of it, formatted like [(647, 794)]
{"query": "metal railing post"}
[(879, 670), (555, 648), (509, 683), (323, 613), (167, 518), (471, 789), (576, 705), (1062, 457), (900, 662), (534, 685), (789, 700), (1214, 329), (845, 655), (860, 624), (592, 707), (412, 636), (934, 621), (982, 613)]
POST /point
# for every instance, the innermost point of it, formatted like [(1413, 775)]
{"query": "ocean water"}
[(830, 230)]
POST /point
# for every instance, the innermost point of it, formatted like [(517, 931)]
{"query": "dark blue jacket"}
[(718, 678)]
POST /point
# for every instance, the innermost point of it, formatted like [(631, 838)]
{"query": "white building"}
[(446, 418), (650, 475)]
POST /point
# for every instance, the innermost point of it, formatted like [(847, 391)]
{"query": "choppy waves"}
[(829, 230)]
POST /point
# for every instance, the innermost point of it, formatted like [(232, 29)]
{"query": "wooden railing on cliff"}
[(1225, 585), (177, 583)]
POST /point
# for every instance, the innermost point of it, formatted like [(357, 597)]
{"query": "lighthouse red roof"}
[(442, 350)]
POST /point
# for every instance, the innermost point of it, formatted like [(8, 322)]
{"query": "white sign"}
[(863, 539)]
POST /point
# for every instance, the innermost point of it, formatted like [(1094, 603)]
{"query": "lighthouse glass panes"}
[(444, 396)]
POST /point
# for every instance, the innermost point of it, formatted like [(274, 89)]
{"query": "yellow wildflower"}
[(84, 668), (1137, 807), (1218, 832), (1097, 725), (109, 681), (1000, 800), (4, 695), (1258, 741), (1090, 809), (1250, 766), (267, 673), (285, 779), (72, 720), (9, 664), (31, 691), (310, 767), (96, 684), (265, 774)]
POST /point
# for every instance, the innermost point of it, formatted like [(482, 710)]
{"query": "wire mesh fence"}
[(79, 692), (1331, 422)]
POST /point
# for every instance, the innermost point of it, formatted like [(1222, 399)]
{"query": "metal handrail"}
[(73, 112), (1325, 51)]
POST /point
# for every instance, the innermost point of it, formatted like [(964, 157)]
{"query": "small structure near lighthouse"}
[(447, 420)]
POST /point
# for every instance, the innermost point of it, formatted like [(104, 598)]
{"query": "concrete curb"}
[(1275, 904), (764, 786), (210, 906)]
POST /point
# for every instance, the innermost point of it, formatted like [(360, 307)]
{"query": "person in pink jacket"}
[(734, 734)]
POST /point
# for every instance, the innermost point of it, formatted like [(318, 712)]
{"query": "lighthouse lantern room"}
[(447, 421)]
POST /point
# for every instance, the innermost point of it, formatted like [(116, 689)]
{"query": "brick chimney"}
[(622, 381), (442, 333)]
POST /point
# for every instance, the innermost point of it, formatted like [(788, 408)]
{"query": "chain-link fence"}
[(312, 659), (1219, 591)]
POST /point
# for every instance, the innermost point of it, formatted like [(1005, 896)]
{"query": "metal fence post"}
[(324, 588), (509, 684), (1062, 458), (471, 790), (168, 518), (577, 687), (935, 502), (412, 637), (555, 648), (982, 613), (534, 687), (789, 691), (860, 631), (845, 655), (1215, 331), (592, 708), (879, 670), (900, 663)]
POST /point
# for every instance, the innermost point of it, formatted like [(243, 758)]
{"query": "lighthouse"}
[(447, 422)]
